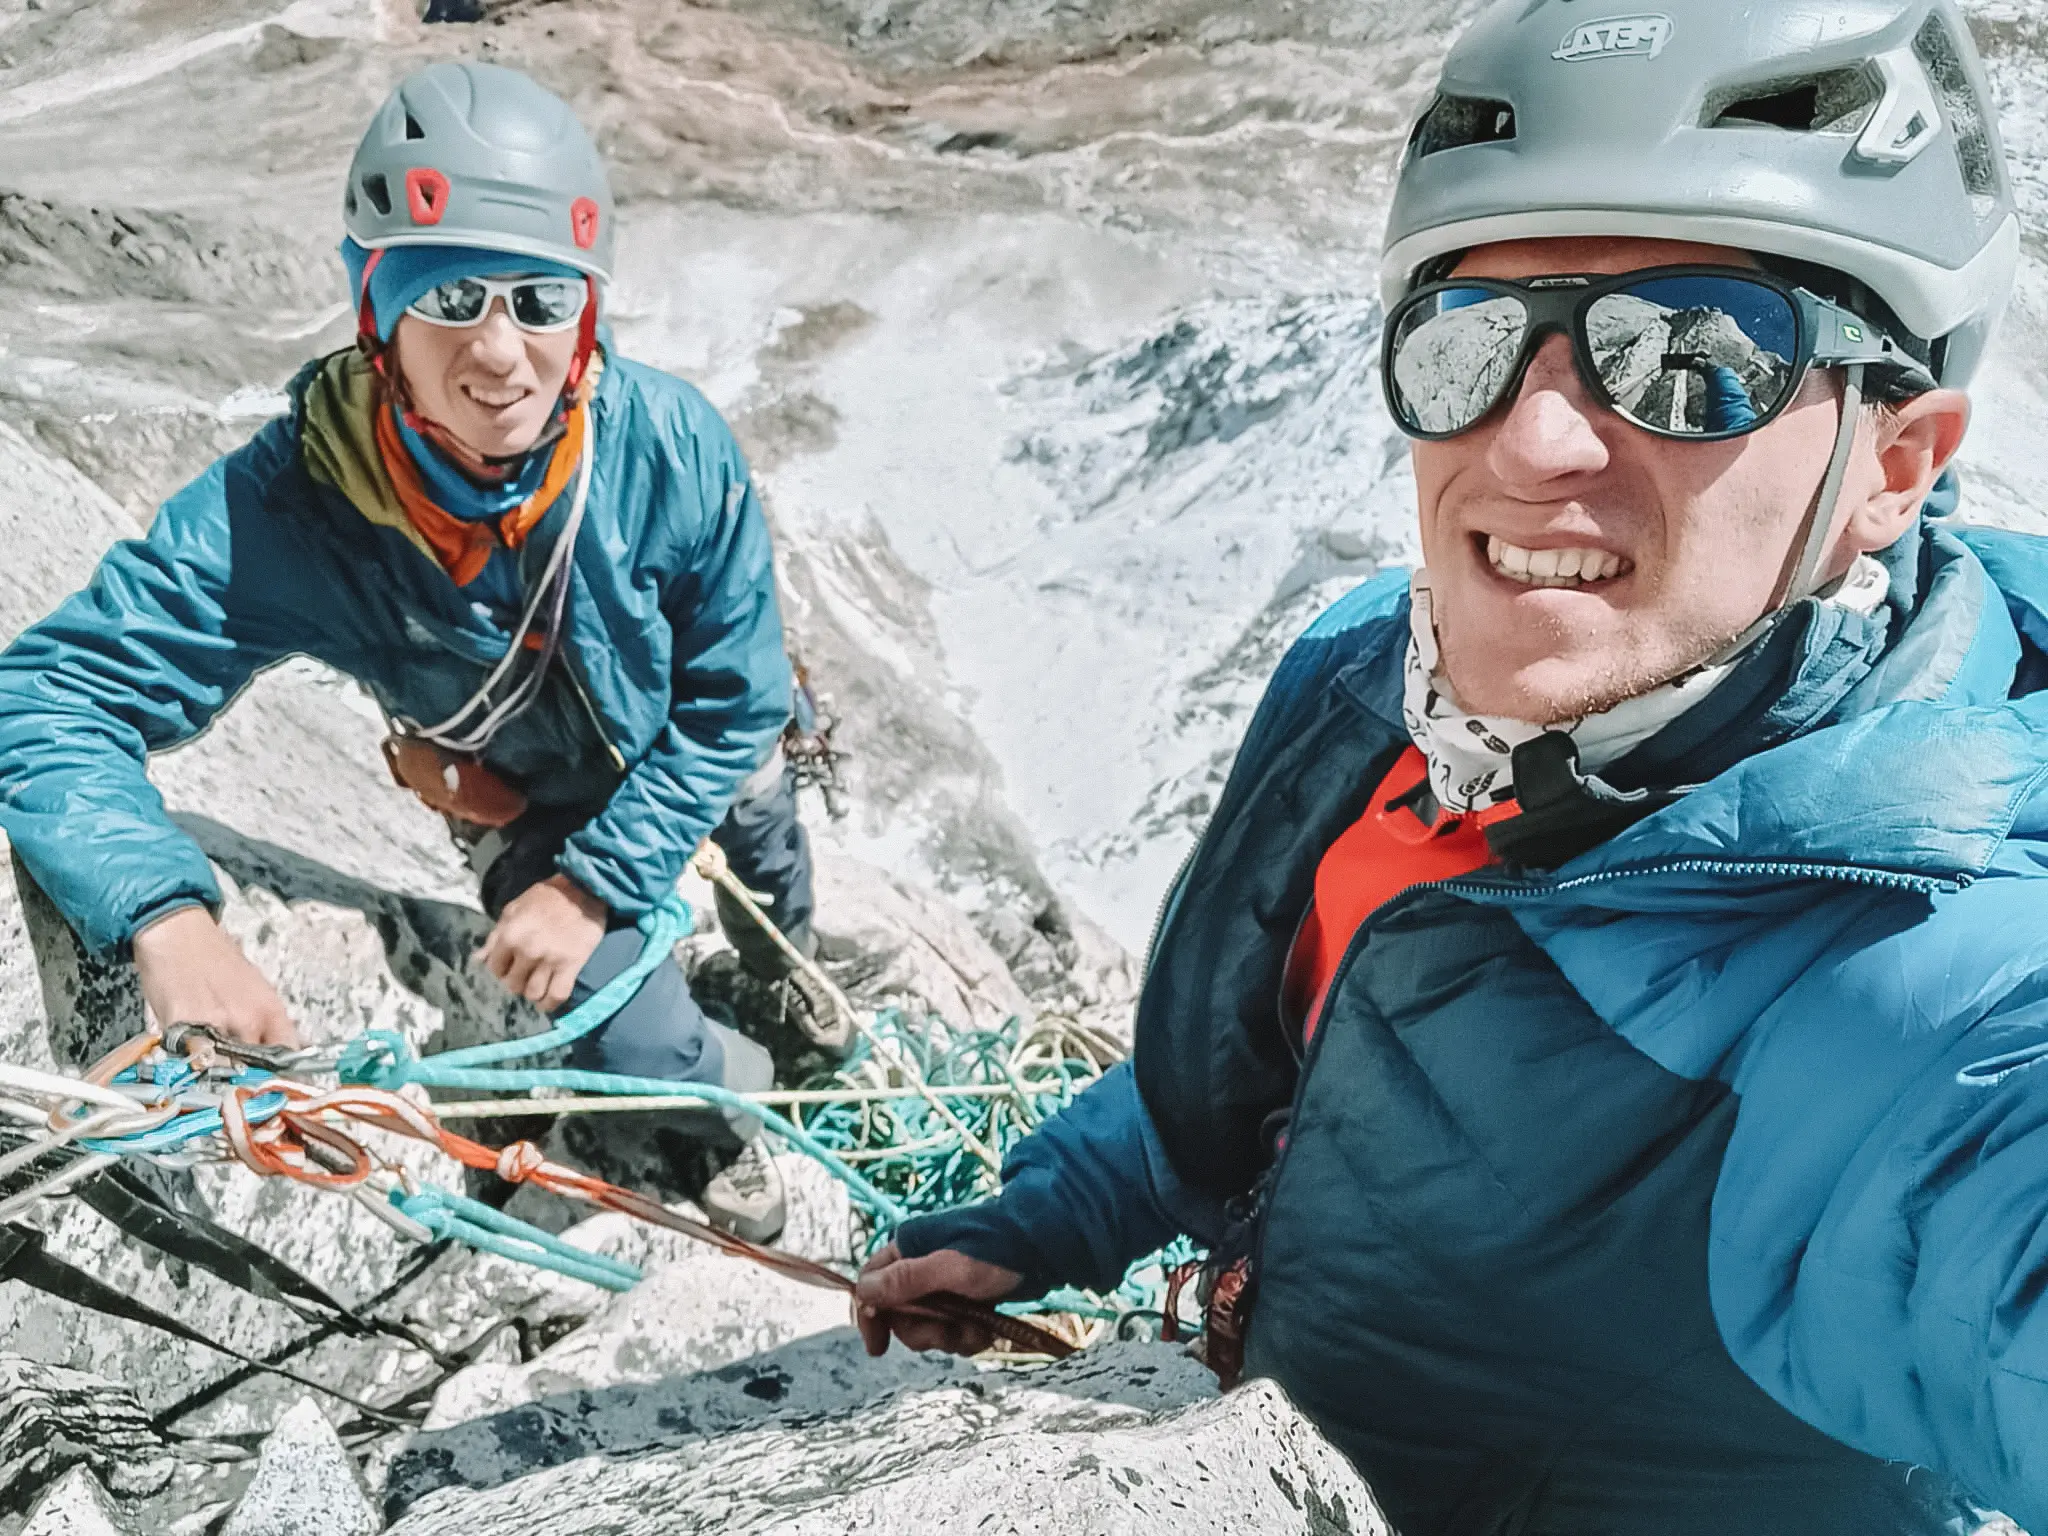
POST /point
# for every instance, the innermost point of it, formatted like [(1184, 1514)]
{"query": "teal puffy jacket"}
[(675, 682), (1696, 1184)]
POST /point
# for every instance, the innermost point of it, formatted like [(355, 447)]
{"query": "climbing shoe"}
[(812, 1008), (745, 1197)]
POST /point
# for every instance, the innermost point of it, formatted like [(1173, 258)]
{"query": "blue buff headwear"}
[(408, 271)]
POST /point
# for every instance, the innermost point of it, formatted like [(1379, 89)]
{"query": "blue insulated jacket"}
[(1698, 1185), (674, 682)]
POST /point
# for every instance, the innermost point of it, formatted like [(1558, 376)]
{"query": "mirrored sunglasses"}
[(1700, 354), (538, 304)]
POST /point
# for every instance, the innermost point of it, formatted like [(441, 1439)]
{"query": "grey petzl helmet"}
[(472, 154), (1854, 135)]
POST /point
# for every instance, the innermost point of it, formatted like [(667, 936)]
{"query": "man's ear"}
[(1914, 442)]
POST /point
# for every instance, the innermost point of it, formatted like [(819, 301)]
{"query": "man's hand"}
[(889, 1281), (544, 939), (193, 973)]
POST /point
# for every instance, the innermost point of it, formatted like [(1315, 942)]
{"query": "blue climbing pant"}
[(661, 1031)]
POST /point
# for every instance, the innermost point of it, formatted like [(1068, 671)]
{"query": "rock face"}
[(1128, 1438), (52, 1420), (305, 1484), (1048, 333), (76, 1506)]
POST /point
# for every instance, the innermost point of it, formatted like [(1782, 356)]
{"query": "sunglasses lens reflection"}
[(1453, 355), (460, 302), (547, 305), (1694, 356), (1686, 355)]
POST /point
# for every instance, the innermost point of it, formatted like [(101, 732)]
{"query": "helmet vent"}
[(1943, 60), (413, 130), (1454, 122), (378, 191), (1840, 101)]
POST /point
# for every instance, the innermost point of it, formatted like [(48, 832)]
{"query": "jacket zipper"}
[(1166, 901), (590, 709), (1850, 874)]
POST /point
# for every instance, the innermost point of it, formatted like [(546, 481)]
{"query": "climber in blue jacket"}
[(1602, 1036), (546, 563)]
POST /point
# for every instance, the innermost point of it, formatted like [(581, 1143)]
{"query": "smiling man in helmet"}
[(1603, 1033), (546, 563)]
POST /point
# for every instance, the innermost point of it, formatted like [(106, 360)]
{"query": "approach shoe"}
[(810, 1006), (745, 1198)]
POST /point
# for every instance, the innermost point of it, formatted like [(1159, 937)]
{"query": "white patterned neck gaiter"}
[(1471, 756)]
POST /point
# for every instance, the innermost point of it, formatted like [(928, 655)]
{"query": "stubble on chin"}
[(1565, 677)]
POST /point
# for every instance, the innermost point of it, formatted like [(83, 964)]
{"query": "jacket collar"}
[(338, 407), (1887, 751)]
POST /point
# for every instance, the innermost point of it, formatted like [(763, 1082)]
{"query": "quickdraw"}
[(187, 1095), (281, 1128)]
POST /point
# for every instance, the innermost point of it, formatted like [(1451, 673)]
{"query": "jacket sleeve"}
[(142, 659), (730, 692), (1084, 1197), (1879, 1261)]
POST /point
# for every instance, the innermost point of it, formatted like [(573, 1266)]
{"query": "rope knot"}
[(379, 1058), (520, 1162)]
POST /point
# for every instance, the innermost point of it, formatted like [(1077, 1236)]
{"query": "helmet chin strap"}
[(1802, 563)]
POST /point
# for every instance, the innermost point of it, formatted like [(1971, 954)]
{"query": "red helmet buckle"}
[(583, 221)]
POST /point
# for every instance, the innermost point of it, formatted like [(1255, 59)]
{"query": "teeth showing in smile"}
[(1554, 567), (495, 399)]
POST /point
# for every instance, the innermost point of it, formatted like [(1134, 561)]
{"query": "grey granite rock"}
[(53, 1419), (1126, 1439), (305, 1484), (76, 1506)]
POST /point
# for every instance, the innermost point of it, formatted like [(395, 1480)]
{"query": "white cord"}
[(53, 1086), (553, 588), (56, 1184)]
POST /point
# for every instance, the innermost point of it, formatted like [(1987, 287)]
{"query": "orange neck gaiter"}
[(464, 547)]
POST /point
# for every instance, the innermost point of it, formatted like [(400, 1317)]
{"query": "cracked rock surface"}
[(305, 1484), (1125, 1438)]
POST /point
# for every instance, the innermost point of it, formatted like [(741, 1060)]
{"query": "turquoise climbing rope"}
[(915, 1162), (384, 1058), (908, 1150), (373, 1058), (478, 1226), (924, 1164)]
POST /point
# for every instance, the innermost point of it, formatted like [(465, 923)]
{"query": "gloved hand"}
[(889, 1281), (192, 972), (544, 938)]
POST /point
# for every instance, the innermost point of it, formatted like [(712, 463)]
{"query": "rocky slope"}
[(1050, 332)]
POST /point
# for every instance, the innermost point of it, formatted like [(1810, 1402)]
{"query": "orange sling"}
[(464, 548)]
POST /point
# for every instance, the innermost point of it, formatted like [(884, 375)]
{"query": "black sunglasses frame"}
[(1826, 336)]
